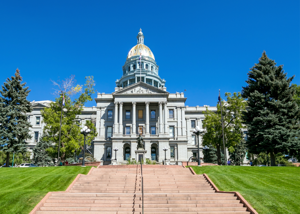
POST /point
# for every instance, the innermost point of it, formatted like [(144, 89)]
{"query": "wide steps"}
[(117, 190)]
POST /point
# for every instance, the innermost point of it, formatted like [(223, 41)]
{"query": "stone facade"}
[(142, 105)]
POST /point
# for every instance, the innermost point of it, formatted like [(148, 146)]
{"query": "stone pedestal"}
[(114, 162), (140, 155)]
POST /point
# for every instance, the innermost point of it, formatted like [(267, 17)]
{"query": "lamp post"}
[(197, 131), (165, 149), (116, 149), (85, 131)]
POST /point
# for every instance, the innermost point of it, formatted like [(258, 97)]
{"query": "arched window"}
[(134, 67), (147, 66), (151, 68)]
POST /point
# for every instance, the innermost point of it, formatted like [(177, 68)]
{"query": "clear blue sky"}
[(200, 46)]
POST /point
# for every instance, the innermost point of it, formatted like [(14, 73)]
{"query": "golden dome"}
[(140, 49)]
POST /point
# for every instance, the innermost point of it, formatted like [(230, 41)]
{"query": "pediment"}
[(140, 88)]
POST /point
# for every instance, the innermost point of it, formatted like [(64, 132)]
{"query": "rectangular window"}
[(172, 151), (124, 84), (127, 114), (36, 137), (138, 79), (153, 130), (171, 131), (140, 114), (37, 120), (127, 130), (155, 83), (153, 116), (171, 113), (131, 81), (245, 135), (108, 152), (140, 129), (149, 81), (193, 123), (110, 114), (28, 118), (109, 132), (194, 140)]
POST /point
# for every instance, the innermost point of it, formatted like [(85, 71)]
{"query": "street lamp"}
[(85, 131), (165, 149), (116, 149), (197, 131)]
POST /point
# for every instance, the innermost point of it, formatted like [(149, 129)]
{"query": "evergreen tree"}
[(238, 155), (272, 116), (14, 128), (210, 155), (41, 156)]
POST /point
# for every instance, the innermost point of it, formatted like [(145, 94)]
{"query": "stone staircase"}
[(117, 190)]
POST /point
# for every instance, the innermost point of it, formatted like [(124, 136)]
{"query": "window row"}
[(128, 114), (148, 81), (127, 153), (134, 67)]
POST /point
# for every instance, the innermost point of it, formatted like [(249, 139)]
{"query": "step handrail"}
[(142, 181)]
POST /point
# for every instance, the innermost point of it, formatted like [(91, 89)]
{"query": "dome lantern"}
[(140, 37)]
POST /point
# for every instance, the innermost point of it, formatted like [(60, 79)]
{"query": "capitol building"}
[(140, 104)]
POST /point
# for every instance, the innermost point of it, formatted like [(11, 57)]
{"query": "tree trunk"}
[(219, 154), (272, 158), (7, 159)]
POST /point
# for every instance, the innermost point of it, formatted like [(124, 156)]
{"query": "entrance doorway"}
[(126, 150), (154, 152)]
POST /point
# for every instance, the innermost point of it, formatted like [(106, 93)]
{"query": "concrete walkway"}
[(117, 190)]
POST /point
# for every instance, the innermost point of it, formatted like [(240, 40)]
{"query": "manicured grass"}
[(268, 189), (22, 188)]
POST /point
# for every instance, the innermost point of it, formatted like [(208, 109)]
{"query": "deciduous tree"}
[(71, 139), (233, 124)]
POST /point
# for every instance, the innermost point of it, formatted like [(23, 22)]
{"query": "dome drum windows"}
[(131, 81), (134, 67), (147, 66), (149, 81)]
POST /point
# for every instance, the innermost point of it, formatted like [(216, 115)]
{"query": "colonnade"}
[(118, 118)]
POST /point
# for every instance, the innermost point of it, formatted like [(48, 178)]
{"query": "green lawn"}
[(268, 189), (22, 188)]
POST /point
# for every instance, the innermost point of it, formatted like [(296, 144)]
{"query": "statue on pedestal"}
[(140, 143)]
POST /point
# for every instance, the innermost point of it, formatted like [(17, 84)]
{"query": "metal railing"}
[(142, 183)]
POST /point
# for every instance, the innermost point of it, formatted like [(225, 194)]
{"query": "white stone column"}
[(165, 117), (98, 121), (183, 120), (179, 121), (160, 118), (133, 118), (147, 117), (116, 125), (102, 128), (121, 118)]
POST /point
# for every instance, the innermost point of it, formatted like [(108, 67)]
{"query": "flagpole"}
[(58, 158), (140, 67), (222, 127)]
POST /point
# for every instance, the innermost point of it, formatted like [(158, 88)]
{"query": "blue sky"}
[(200, 46)]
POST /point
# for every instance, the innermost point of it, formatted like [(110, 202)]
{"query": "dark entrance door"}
[(126, 153), (153, 153)]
